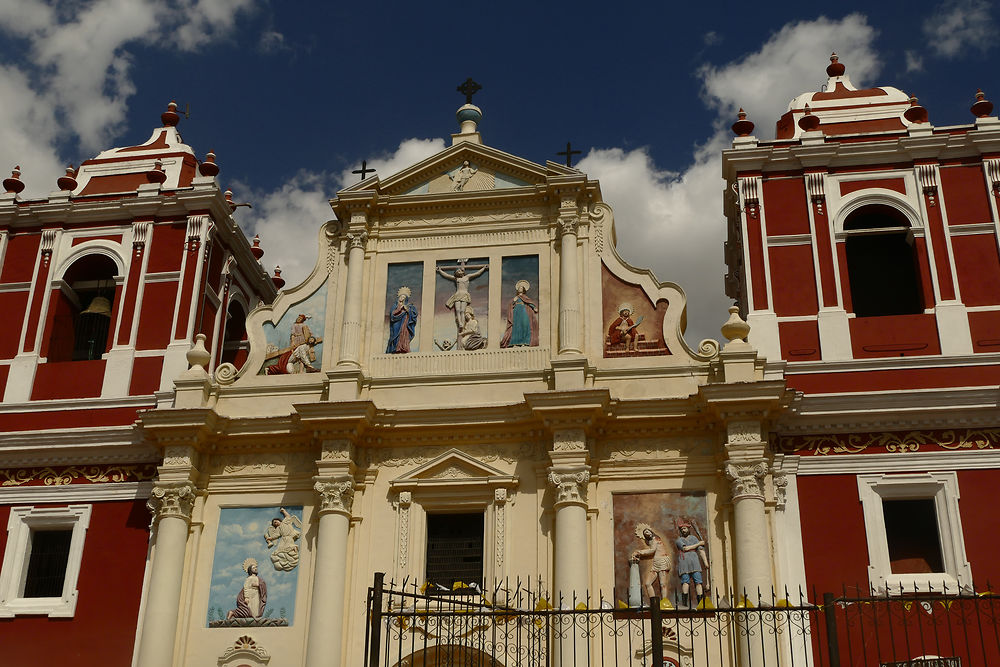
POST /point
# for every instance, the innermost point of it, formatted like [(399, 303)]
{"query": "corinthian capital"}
[(747, 479), (335, 496), (570, 485), (567, 224), (171, 499), (357, 240)]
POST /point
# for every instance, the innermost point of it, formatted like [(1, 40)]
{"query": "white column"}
[(350, 334), (326, 617), (570, 321), (171, 504)]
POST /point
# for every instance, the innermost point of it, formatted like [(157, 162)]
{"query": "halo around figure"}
[(519, 283), (403, 291), (640, 528), (625, 306), (248, 563)]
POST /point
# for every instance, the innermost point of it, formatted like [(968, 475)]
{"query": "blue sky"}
[(292, 96)]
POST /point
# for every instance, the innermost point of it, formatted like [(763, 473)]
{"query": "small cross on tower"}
[(364, 170), (569, 153), (469, 88)]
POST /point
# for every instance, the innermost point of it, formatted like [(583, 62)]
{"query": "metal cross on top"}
[(469, 88), (364, 170), (569, 153)]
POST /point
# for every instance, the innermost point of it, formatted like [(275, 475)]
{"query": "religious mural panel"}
[(661, 547), (461, 302), (634, 324), (292, 345), (255, 568), (519, 288), (403, 290)]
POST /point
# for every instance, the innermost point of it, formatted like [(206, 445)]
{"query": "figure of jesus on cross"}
[(458, 301)]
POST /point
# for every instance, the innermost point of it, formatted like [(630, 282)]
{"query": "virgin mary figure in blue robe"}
[(402, 323)]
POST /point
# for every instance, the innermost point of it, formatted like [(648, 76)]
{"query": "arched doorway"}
[(449, 655)]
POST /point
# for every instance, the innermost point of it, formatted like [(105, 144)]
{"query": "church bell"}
[(100, 305)]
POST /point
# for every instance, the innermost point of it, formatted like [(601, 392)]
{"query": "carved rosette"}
[(171, 500), (335, 496), (570, 486), (747, 479)]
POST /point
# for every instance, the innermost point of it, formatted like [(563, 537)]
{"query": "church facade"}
[(474, 420)]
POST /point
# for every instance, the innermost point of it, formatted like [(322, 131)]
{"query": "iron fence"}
[(517, 624)]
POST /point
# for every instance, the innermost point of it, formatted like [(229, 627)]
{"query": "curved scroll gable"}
[(662, 305), (317, 293)]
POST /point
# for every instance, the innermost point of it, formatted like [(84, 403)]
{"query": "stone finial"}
[(198, 357), (156, 174), (209, 167), (229, 199), (14, 184), (916, 113), (68, 182), (809, 122), (742, 127), (257, 251), (170, 117), (982, 107), (278, 281), (735, 327), (835, 68)]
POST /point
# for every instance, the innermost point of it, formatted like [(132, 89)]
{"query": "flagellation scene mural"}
[(255, 568)]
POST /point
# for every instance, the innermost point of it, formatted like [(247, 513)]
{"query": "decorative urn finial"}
[(742, 127), (14, 184), (68, 182), (257, 251), (809, 121), (916, 113), (170, 117), (156, 174), (198, 356), (982, 107), (735, 328), (229, 199), (278, 281), (835, 68), (208, 167)]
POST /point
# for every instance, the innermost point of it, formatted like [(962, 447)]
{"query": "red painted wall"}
[(985, 328), (785, 205), (167, 247), (978, 266), (19, 259), (963, 188), (833, 533), (793, 280), (156, 315), (14, 303), (799, 340), (68, 379), (909, 378), (894, 336), (145, 375), (102, 632)]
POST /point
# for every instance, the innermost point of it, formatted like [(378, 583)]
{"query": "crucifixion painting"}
[(462, 273)]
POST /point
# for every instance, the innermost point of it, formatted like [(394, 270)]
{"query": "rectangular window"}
[(47, 563), (454, 549), (911, 530)]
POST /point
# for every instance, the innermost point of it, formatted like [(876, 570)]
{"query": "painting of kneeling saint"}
[(661, 548), (255, 570)]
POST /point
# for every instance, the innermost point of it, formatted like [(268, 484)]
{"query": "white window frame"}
[(942, 488), (20, 524)]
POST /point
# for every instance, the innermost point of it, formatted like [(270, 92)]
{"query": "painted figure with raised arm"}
[(660, 563), (281, 535)]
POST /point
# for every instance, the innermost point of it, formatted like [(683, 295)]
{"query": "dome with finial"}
[(209, 167), (257, 251), (278, 281), (14, 184), (170, 117), (840, 108), (982, 107), (156, 174), (68, 182), (742, 127)]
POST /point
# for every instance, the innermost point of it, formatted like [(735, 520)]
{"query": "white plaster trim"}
[(75, 493), (981, 309), (892, 363), (22, 521), (163, 276), (68, 404), (789, 239), (797, 318), (943, 488), (15, 287), (972, 229), (935, 461)]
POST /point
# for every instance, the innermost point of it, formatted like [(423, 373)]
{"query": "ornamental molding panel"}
[(744, 432), (75, 493), (747, 479), (171, 500), (245, 652), (261, 463), (64, 475), (895, 442), (923, 461), (453, 468)]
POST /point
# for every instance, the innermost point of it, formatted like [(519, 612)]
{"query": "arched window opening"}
[(82, 312), (235, 346), (881, 262)]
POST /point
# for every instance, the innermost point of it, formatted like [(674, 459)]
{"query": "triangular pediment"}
[(464, 167), (451, 465)]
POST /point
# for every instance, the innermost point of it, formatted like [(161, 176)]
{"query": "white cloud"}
[(75, 80), (958, 26), (914, 61), (408, 153), (711, 38), (673, 222)]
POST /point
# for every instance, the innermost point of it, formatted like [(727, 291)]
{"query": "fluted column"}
[(570, 321), (326, 618), (350, 334), (171, 504)]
